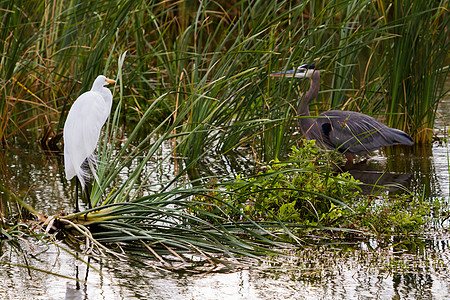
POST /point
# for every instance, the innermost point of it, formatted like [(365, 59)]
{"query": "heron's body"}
[(349, 132), (82, 129)]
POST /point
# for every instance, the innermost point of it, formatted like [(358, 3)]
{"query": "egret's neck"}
[(104, 91), (98, 84)]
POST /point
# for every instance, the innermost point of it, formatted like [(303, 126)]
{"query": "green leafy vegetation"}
[(301, 189), (306, 191)]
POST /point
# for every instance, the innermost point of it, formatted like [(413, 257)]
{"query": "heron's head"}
[(304, 71)]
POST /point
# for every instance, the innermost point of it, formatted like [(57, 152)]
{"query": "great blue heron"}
[(349, 132)]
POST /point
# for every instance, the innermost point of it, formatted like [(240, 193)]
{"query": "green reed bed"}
[(378, 57), (417, 59)]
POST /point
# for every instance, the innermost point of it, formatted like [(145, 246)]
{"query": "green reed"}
[(221, 53), (416, 60)]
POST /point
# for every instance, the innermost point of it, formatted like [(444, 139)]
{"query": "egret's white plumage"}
[(82, 128)]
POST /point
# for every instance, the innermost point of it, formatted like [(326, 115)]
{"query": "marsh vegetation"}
[(192, 90)]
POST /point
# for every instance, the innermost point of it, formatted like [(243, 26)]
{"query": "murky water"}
[(418, 270)]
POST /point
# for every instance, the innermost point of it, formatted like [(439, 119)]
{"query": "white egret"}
[(82, 129)]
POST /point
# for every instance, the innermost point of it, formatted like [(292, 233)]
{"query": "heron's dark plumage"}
[(347, 131), (356, 133)]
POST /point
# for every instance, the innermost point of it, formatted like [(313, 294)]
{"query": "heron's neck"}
[(303, 103), (305, 100)]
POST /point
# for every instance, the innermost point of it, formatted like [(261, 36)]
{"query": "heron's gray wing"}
[(351, 131)]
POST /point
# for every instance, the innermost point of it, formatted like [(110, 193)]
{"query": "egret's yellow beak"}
[(110, 80)]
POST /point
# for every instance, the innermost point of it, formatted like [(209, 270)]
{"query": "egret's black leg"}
[(88, 195), (77, 208), (85, 166)]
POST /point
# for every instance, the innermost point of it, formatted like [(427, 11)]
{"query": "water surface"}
[(415, 270)]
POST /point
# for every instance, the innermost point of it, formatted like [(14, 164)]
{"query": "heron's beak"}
[(110, 80), (284, 74)]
